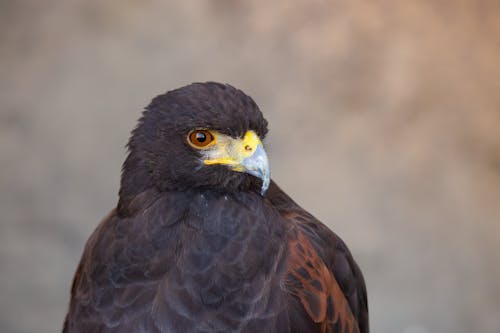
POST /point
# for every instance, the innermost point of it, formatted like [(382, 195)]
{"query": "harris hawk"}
[(202, 240)]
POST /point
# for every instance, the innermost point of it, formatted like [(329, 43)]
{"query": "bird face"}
[(244, 154), (204, 135)]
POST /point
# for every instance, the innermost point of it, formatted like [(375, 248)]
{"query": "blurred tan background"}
[(384, 119)]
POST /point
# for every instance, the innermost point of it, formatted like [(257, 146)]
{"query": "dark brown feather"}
[(321, 271), (198, 249), (309, 279)]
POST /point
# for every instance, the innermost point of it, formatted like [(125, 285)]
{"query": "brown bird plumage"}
[(200, 243)]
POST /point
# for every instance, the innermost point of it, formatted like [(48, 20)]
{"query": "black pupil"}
[(201, 137)]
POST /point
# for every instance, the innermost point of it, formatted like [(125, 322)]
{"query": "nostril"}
[(248, 148)]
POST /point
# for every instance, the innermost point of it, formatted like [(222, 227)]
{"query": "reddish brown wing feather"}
[(337, 301), (310, 280)]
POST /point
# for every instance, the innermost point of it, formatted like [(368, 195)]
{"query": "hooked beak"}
[(257, 165), (242, 155)]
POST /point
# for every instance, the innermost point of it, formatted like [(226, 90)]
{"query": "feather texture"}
[(198, 249)]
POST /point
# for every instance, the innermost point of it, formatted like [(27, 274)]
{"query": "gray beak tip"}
[(265, 186), (258, 165)]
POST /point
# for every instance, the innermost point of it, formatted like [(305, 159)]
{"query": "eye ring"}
[(201, 138)]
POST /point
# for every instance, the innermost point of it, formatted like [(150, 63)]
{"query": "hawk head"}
[(204, 135)]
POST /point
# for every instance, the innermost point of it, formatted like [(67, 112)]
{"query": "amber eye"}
[(201, 138)]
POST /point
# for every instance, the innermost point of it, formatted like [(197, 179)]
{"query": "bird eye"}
[(201, 138)]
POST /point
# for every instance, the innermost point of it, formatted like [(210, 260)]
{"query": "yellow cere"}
[(231, 151)]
